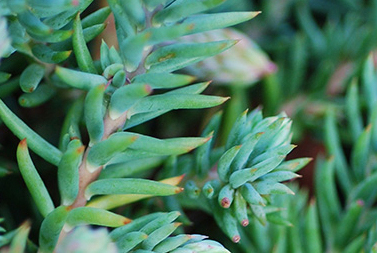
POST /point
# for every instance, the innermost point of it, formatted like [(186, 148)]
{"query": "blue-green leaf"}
[(103, 151), (163, 80), (207, 22), (130, 186), (31, 77), (51, 228), (174, 102), (68, 172), (93, 112), (33, 181), (181, 9), (177, 56), (83, 57), (94, 216), (80, 80), (42, 94), (125, 97), (48, 55)]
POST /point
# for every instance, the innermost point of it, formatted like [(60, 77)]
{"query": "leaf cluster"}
[(124, 88)]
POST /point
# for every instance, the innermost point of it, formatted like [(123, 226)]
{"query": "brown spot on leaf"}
[(191, 26), (167, 57)]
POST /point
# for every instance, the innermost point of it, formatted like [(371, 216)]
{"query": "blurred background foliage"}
[(313, 59)]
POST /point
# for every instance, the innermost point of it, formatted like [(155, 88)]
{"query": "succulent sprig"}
[(341, 216), (249, 170), (124, 88)]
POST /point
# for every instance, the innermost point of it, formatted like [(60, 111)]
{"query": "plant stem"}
[(85, 176), (110, 126)]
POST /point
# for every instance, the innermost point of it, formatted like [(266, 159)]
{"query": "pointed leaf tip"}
[(245, 112), (209, 137), (180, 178), (179, 189), (236, 238), (245, 223), (228, 44), (80, 150), (126, 221), (173, 180), (225, 202), (23, 143), (148, 89), (255, 13), (360, 202)]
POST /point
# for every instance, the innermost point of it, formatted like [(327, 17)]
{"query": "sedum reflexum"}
[(341, 216), (125, 88), (249, 171)]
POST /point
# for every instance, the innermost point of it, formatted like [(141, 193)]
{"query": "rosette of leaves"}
[(337, 218), (302, 231), (116, 94), (354, 230), (342, 216), (250, 168)]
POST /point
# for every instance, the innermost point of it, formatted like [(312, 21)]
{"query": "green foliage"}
[(33, 180), (250, 170), (112, 129), (114, 90), (342, 216), (150, 233)]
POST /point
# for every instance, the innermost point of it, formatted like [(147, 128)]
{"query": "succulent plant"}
[(109, 158), (248, 171), (124, 88)]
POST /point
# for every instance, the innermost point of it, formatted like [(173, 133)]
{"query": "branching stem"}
[(110, 126)]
